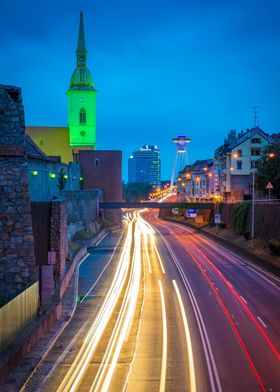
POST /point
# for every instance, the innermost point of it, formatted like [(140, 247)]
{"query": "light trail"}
[(105, 373), (164, 342), (188, 338), (239, 299), (227, 314), (74, 375), (210, 361)]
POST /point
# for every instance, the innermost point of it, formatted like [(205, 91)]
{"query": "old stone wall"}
[(82, 210), (58, 243), (17, 262), (267, 219)]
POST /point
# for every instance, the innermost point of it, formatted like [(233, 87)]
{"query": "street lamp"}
[(253, 161)]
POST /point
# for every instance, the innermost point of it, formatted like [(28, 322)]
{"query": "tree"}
[(61, 180), (136, 191), (268, 170)]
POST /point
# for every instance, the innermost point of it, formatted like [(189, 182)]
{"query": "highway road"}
[(172, 311)]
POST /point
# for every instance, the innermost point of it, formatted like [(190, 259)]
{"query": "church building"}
[(81, 131)]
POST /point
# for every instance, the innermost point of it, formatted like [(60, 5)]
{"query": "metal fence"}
[(17, 314)]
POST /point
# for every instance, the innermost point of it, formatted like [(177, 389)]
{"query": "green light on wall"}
[(35, 172), (81, 178), (65, 176), (52, 175)]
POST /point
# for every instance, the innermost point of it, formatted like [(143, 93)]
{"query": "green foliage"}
[(268, 170), (274, 245), (61, 180), (241, 216), (136, 191)]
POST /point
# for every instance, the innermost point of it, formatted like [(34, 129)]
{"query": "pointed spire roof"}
[(81, 47), (81, 77)]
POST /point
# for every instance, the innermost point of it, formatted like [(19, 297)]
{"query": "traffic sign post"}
[(217, 218), (191, 213), (269, 187)]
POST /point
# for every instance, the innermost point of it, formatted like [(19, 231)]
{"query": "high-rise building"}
[(144, 166)]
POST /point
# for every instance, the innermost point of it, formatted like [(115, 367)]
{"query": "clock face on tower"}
[(81, 59)]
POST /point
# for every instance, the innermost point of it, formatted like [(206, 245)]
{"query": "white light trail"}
[(74, 375), (188, 338), (164, 341)]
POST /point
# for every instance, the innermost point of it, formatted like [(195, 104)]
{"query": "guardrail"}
[(160, 205)]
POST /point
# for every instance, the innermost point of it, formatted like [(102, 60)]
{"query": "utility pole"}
[(255, 115)]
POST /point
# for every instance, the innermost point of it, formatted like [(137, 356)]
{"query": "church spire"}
[(81, 48), (81, 77)]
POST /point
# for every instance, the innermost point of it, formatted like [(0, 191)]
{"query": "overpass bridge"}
[(153, 204)]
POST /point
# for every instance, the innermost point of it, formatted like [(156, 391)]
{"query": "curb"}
[(17, 350), (239, 251)]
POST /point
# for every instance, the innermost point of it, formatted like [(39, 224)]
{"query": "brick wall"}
[(103, 169)]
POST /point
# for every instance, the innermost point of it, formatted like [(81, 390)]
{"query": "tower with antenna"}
[(255, 112), (181, 155)]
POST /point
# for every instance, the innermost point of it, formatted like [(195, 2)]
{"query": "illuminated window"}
[(83, 116)]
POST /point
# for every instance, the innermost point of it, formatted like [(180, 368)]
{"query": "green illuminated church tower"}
[(82, 99)]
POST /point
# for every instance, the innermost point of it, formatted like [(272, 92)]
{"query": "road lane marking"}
[(159, 259), (260, 320), (103, 270), (243, 299), (80, 363), (268, 277), (209, 357), (188, 338), (109, 362), (164, 342)]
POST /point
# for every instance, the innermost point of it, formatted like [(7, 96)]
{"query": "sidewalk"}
[(30, 346)]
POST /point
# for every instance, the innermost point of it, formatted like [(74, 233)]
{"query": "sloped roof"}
[(33, 151)]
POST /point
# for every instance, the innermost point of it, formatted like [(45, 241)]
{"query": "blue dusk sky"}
[(161, 67)]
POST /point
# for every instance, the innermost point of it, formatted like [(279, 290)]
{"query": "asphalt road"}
[(237, 309), (166, 309)]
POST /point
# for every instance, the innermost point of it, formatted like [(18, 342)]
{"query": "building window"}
[(83, 116), (255, 152), (256, 140), (239, 165), (239, 153), (97, 162)]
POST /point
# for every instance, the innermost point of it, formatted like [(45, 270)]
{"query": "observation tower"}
[(181, 155)]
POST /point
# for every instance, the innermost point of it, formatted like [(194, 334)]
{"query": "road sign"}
[(175, 211), (269, 186), (191, 213), (217, 218)]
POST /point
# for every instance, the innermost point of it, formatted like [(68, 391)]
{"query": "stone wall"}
[(82, 210), (17, 262), (58, 243), (267, 219)]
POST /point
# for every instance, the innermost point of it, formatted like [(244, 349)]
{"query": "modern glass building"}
[(144, 165)]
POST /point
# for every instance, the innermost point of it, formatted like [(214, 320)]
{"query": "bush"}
[(241, 216), (247, 235), (274, 246), (222, 225)]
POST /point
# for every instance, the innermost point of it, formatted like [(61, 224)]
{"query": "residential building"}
[(236, 159), (144, 165), (199, 180)]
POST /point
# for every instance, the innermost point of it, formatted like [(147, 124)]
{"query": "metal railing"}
[(17, 314)]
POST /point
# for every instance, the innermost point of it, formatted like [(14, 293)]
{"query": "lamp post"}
[(253, 162)]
